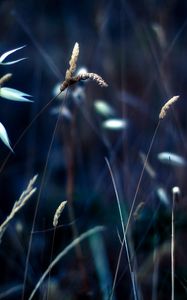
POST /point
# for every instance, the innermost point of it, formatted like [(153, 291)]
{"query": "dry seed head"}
[(71, 80), (93, 76), (167, 106), (5, 78), (58, 213), (25, 196), (73, 61)]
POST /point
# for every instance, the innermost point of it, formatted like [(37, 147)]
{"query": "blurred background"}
[(139, 49)]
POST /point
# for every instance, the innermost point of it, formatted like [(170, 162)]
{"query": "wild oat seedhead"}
[(25, 196), (70, 80), (5, 78), (4, 137), (9, 93), (167, 106), (58, 213)]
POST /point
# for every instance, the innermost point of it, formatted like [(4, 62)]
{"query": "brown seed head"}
[(167, 106), (5, 78)]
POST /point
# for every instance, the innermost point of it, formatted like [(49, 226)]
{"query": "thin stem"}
[(133, 203), (70, 145), (172, 250), (141, 176), (155, 271), (116, 193), (125, 242), (51, 256), (25, 131), (38, 200), (79, 239)]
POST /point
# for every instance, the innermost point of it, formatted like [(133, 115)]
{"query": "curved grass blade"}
[(4, 56), (4, 137)]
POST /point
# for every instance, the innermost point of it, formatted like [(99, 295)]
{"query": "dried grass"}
[(5, 78), (70, 79), (167, 106), (73, 62), (92, 76), (58, 213), (25, 196)]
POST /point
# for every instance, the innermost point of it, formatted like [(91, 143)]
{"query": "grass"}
[(134, 258)]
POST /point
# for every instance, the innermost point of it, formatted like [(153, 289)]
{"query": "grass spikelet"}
[(92, 76), (58, 213), (4, 137), (167, 106), (70, 79), (5, 78), (25, 196), (73, 62)]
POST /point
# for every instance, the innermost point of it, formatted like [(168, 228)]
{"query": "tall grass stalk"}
[(155, 271), (141, 176), (175, 196), (124, 242), (38, 198), (73, 244), (162, 115), (172, 251)]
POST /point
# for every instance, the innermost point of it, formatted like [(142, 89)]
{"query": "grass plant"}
[(145, 239)]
